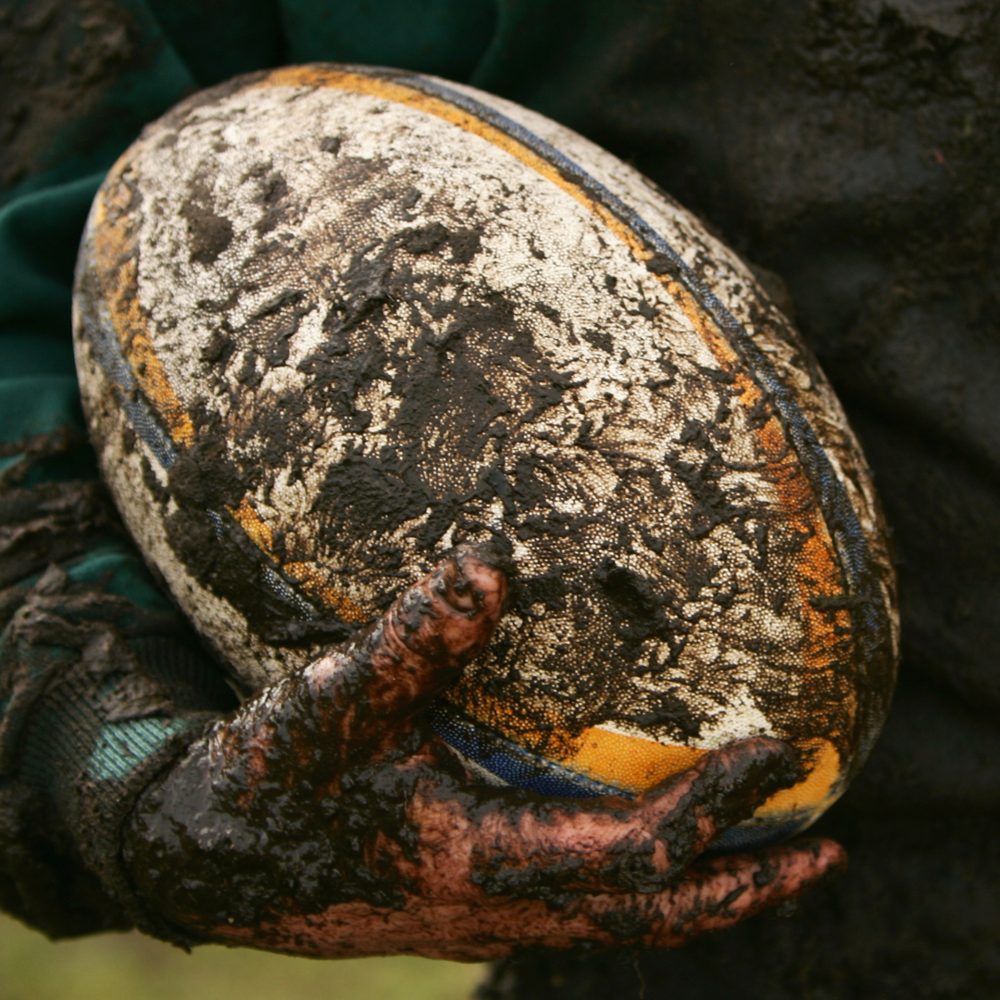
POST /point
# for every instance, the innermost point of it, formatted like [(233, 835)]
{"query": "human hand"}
[(323, 818)]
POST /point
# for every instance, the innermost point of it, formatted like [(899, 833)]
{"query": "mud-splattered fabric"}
[(97, 695)]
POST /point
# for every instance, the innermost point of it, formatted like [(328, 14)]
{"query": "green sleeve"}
[(102, 682)]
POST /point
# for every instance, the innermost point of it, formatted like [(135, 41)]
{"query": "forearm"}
[(97, 694)]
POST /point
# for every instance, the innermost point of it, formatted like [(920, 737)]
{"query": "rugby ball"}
[(331, 321)]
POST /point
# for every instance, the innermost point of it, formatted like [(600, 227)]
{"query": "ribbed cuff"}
[(97, 697)]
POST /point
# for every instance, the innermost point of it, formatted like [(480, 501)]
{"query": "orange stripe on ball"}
[(631, 763)]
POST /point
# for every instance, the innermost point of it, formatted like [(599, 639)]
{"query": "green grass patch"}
[(134, 967)]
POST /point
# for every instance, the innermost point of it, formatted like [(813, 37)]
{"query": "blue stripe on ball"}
[(511, 763), (752, 836)]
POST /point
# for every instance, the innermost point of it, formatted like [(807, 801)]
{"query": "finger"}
[(721, 893), (718, 893), (390, 670), (515, 842), (353, 700)]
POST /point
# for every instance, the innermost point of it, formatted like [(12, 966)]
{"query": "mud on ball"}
[(331, 321)]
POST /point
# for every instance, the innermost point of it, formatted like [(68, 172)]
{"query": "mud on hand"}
[(323, 817)]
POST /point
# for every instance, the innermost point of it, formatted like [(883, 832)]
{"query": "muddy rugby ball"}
[(331, 321)]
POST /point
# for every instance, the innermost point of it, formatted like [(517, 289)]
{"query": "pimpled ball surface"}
[(331, 321)]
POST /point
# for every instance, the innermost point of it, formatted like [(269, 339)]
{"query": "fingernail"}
[(454, 587), (466, 570)]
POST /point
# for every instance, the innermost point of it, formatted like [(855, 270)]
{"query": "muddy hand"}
[(322, 818)]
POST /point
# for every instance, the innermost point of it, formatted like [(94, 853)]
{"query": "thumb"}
[(391, 669)]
